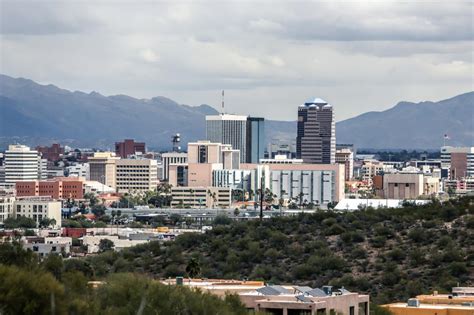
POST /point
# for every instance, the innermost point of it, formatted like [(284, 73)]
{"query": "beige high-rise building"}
[(345, 156), (206, 152), (136, 175), (102, 168)]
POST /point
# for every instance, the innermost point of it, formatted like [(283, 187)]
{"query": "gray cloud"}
[(269, 56)]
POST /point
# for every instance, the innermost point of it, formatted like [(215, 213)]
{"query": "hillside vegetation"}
[(392, 254)]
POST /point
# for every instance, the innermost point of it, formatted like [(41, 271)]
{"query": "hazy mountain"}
[(40, 114), (413, 125)]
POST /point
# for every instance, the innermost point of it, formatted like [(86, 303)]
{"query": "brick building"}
[(57, 188), (129, 147)]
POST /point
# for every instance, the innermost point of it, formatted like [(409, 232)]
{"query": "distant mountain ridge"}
[(39, 114), (413, 125)]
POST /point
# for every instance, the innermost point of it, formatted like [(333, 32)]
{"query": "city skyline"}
[(269, 58)]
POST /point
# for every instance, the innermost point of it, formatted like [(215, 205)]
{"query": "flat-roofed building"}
[(228, 129), (129, 147), (197, 197), (21, 164), (409, 185), (38, 208), (459, 302), (170, 159), (102, 168), (346, 157), (7, 201), (56, 188), (136, 175), (286, 299), (459, 161)]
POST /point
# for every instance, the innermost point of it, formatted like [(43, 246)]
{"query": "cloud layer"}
[(269, 56)]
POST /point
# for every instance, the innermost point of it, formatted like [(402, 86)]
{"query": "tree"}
[(53, 264), (47, 222), (98, 210), (20, 222), (236, 212), (24, 291), (106, 245), (193, 268)]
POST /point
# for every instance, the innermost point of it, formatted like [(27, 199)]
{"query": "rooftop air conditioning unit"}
[(413, 303)]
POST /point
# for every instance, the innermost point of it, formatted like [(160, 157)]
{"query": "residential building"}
[(21, 164), (44, 246), (136, 175), (458, 160), (129, 147), (346, 157), (38, 208), (197, 197), (316, 133), (52, 153), (255, 142), (7, 201), (286, 299), (459, 302), (57, 188), (102, 168), (228, 129), (172, 159)]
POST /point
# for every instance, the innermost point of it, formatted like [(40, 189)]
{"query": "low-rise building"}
[(284, 299), (409, 185), (44, 246), (56, 188), (6, 206), (459, 302), (196, 197), (38, 208)]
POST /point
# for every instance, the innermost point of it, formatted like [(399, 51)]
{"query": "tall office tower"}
[(228, 129), (255, 139), (316, 138), (21, 164)]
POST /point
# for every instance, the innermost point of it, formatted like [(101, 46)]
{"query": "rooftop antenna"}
[(176, 139), (222, 102)]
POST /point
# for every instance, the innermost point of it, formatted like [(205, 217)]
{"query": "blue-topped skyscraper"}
[(316, 138), (255, 139)]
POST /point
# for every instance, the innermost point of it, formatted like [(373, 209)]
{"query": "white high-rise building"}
[(228, 129), (21, 164)]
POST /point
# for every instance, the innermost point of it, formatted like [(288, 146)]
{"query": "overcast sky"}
[(269, 56)]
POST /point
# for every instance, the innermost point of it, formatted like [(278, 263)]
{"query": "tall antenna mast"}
[(222, 102)]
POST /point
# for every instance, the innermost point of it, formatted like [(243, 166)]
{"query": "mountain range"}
[(33, 114)]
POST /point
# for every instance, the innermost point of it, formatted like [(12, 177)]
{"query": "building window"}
[(351, 310)]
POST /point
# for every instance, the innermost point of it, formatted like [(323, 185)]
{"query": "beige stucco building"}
[(38, 208), (136, 175), (102, 168), (196, 197)]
